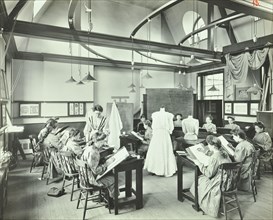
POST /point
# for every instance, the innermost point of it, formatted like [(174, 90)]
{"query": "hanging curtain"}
[(237, 66)]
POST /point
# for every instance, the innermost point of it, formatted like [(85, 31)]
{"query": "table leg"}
[(128, 183), (139, 187), (180, 181), (116, 193), (196, 204)]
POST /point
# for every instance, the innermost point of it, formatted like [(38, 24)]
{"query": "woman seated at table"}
[(209, 126), (51, 140), (147, 138), (243, 153), (91, 155), (209, 194), (178, 120), (263, 141), (72, 144), (231, 123), (140, 126)]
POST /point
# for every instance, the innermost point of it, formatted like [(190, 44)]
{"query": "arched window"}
[(192, 21)]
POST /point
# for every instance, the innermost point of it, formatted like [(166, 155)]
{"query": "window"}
[(213, 86), (210, 87), (192, 21)]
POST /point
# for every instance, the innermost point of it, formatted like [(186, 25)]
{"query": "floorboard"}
[(27, 199)]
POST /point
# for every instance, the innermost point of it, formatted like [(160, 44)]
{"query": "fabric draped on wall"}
[(237, 66)]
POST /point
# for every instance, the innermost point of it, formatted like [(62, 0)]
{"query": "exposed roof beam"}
[(90, 61), (228, 28), (3, 14), (248, 45), (28, 29), (243, 7), (207, 67)]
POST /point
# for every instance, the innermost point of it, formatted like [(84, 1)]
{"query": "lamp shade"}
[(254, 89), (213, 89), (132, 90), (80, 83), (193, 61), (132, 86), (71, 80), (147, 76), (89, 78)]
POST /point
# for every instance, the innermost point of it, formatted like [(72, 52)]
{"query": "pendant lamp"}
[(193, 61), (213, 88), (71, 80)]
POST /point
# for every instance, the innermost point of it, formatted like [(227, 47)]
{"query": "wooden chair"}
[(33, 143), (254, 168), (70, 172), (46, 161), (88, 190), (230, 176)]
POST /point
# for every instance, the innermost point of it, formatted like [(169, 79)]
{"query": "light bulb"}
[(179, 72), (184, 73), (132, 62), (181, 61), (132, 68), (254, 39)]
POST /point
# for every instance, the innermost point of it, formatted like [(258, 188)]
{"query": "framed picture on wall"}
[(29, 109), (228, 108), (240, 108), (241, 94), (254, 107), (76, 109)]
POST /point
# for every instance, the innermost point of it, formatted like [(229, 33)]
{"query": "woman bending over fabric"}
[(243, 153), (209, 193), (91, 155), (72, 144), (263, 140), (147, 138)]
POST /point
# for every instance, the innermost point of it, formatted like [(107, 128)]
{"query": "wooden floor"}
[(27, 199)]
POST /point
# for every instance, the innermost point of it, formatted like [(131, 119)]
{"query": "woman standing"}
[(95, 121), (209, 193), (160, 159), (243, 153), (263, 140)]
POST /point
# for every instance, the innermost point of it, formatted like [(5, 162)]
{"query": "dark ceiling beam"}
[(243, 7), (203, 68), (248, 45), (154, 14), (228, 28), (91, 61), (3, 14), (210, 18), (7, 22), (42, 31)]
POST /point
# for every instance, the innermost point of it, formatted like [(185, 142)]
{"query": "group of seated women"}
[(209, 194), (70, 140)]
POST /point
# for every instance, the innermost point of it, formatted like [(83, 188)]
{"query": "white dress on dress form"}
[(160, 158)]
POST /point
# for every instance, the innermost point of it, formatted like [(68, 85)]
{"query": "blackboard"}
[(126, 114), (174, 100)]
